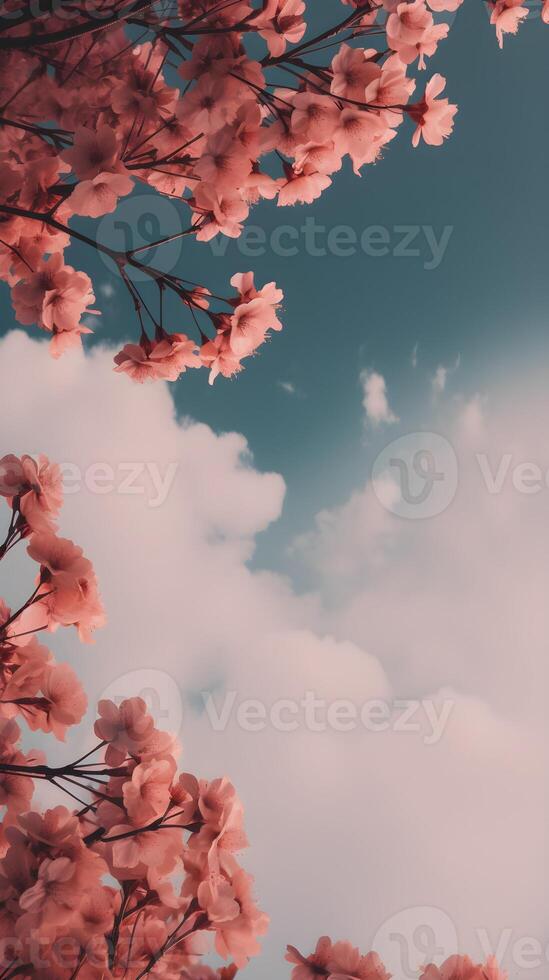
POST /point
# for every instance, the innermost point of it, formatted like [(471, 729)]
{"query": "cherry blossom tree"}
[(214, 104), (135, 874)]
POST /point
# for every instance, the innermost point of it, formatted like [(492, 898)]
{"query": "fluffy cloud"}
[(414, 356), (353, 817), (440, 377), (375, 401)]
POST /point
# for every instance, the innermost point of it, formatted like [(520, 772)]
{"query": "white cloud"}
[(414, 357), (288, 387), (439, 379), (441, 375), (375, 401), (347, 828)]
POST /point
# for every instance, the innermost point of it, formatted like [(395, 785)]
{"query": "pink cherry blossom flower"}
[(225, 163), (126, 727), (133, 852), (354, 69), (346, 963), (392, 88), (411, 32), (13, 479), (53, 893), (205, 107), (281, 23), (313, 966), (173, 354), (134, 360), (55, 297), (147, 794), (219, 357), (454, 968), (249, 325), (314, 117), (507, 16), (68, 584), (95, 914), (41, 490), (236, 938), (56, 827), (66, 700), (244, 283), (209, 56), (15, 790), (99, 195), (164, 359), (434, 116), (94, 152), (362, 135), (142, 89), (303, 187), (216, 897), (258, 185), (218, 212)]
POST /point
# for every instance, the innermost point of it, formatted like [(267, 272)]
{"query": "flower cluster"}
[(168, 841), (65, 592), (342, 961), (197, 112), (237, 335), (134, 880), (33, 686)]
